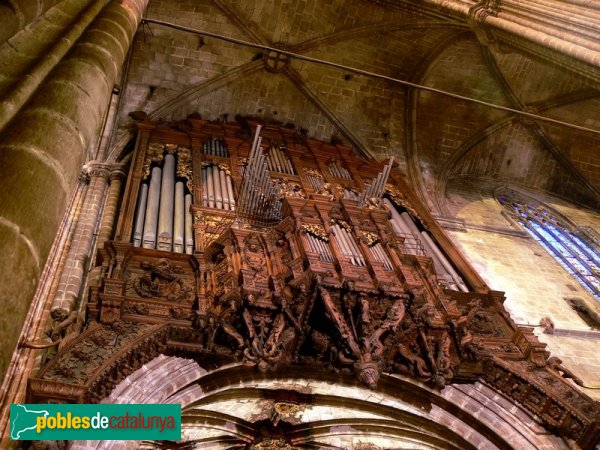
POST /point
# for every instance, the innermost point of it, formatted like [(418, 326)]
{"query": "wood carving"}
[(260, 295), (161, 280)]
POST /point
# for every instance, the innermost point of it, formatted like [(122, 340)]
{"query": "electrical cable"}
[(367, 74)]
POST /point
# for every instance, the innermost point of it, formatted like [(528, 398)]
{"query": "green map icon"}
[(22, 420)]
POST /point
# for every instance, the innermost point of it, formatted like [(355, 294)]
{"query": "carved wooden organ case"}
[(297, 268)]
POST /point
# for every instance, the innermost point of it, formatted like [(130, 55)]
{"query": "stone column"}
[(110, 208), (15, 15), (71, 279), (43, 148)]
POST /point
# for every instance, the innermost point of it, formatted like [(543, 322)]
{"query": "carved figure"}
[(481, 321), (555, 364), (547, 325), (161, 280)]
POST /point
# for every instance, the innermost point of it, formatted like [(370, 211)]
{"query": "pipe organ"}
[(253, 181), (248, 243), (351, 194)]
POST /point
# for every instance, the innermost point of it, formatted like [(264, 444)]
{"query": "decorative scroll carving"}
[(76, 363)]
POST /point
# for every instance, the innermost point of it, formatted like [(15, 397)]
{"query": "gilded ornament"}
[(272, 444), (400, 199), (184, 165), (370, 238), (286, 409), (317, 231), (171, 149), (154, 153), (313, 173), (343, 224)]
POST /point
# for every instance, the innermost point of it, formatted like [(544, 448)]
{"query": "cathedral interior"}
[(342, 224)]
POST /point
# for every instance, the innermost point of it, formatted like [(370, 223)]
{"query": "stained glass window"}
[(573, 248)]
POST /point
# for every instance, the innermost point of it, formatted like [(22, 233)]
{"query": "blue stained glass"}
[(574, 253)]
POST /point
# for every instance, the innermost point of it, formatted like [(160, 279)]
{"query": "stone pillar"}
[(43, 148), (110, 208), (46, 42), (15, 15), (71, 279)]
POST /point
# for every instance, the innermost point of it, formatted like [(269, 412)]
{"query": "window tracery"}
[(571, 247)]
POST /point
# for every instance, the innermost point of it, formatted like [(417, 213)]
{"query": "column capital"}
[(98, 169)]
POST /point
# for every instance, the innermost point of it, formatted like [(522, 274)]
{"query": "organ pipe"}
[(411, 244), (189, 230), (209, 187), (217, 189), (179, 219), (167, 194), (216, 181), (204, 188), (230, 193), (376, 188), (151, 218), (260, 199), (455, 276), (380, 255), (140, 214), (224, 193), (215, 147), (337, 170)]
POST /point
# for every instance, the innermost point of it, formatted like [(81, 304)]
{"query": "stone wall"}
[(536, 285)]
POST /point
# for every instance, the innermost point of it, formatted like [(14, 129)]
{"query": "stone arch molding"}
[(233, 406)]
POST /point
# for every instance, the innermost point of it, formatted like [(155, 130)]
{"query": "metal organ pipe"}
[(439, 268), (209, 187), (224, 193), (354, 247), (447, 265), (151, 217), (189, 229), (140, 214), (179, 219), (230, 192), (402, 229), (167, 194), (216, 181), (204, 188)]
